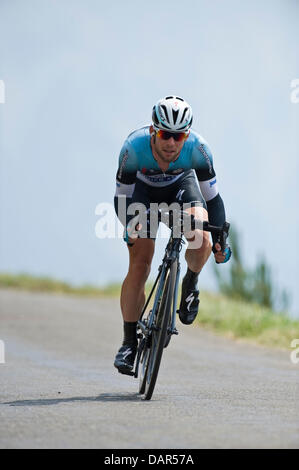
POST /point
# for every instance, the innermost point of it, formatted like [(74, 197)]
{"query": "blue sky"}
[(80, 76)]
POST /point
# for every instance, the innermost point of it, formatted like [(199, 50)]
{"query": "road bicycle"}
[(156, 327)]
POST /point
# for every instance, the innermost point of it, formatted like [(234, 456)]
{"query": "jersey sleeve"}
[(125, 180), (202, 162), (128, 165)]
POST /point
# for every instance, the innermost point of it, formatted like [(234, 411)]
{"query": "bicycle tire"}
[(154, 353), (146, 344), (144, 360), (143, 364)]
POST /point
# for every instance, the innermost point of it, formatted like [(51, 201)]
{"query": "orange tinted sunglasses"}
[(178, 136)]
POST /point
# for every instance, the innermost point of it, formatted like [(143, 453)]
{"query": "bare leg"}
[(199, 248), (133, 293)]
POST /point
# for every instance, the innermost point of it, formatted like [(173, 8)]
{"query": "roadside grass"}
[(45, 284), (218, 313), (247, 320)]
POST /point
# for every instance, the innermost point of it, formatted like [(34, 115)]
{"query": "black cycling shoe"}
[(189, 305), (124, 360)]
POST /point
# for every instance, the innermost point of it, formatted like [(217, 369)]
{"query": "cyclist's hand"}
[(222, 257)]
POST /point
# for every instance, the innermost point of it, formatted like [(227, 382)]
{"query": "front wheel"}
[(153, 354), (143, 364)]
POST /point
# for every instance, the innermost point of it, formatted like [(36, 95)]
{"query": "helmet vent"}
[(155, 119), (175, 115), (178, 98), (169, 97), (184, 126), (184, 113), (165, 111)]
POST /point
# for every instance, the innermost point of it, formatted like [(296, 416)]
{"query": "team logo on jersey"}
[(206, 157), (123, 163), (159, 178)]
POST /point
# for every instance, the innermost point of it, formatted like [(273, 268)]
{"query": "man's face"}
[(168, 150)]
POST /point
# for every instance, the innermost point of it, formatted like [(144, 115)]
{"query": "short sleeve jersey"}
[(136, 160)]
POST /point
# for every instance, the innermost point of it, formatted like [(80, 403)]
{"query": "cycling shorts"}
[(185, 191)]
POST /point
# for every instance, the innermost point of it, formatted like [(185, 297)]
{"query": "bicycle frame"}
[(172, 254)]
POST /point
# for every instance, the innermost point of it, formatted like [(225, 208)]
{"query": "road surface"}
[(59, 388)]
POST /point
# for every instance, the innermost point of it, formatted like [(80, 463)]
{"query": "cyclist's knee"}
[(206, 242), (140, 270), (142, 250), (200, 241)]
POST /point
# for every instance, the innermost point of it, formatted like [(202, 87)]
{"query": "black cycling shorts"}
[(183, 191)]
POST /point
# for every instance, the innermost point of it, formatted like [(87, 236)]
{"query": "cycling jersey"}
[(136, 160), (138, 164)]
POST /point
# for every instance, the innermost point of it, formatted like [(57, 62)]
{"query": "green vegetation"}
[(219, 313), (246, 320), (252, 285), (246, 308), (46, 284)]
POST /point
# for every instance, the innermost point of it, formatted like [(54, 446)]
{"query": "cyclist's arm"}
[(204, 169), (125, 181)]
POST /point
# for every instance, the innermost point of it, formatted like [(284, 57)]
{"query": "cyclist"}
[(165, 162)]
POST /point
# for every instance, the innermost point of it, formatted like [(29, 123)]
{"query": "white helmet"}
[(172, 114)]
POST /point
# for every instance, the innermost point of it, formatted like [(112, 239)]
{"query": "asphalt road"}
[(59, 389)]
